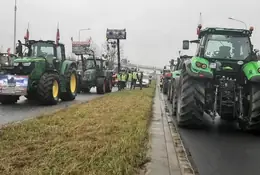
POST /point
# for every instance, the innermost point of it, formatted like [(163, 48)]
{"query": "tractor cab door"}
[(60, 56)]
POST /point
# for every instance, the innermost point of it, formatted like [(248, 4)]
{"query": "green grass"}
[(106, 136)]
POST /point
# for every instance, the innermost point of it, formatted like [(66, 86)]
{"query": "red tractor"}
[(164, 80), (114, 79)]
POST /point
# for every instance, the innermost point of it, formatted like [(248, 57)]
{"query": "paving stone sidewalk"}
[(163, 155)]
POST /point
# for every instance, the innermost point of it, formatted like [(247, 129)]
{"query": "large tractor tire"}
[(191, 101), (174, 97), (109, 85), (49, 88), (169, 91), (101, 86), (252, 109), (71, 85), (8, 99), (165, 87)]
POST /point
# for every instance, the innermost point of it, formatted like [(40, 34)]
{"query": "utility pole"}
[(15, 10)]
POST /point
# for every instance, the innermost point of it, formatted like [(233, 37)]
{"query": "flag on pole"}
[(9, 51), (27, 34), (58, 35)]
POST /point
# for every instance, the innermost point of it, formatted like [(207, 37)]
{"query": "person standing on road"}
[(129, 79), (134, 79), (119, 82), (140, 79), (123, 79)]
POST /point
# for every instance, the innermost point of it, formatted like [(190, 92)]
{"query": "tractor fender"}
[(200, 74), (66, 65)]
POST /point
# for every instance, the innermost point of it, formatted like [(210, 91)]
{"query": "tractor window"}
[(90, 64), (59, 56), (99, 63), (42, 50), (227, 47)]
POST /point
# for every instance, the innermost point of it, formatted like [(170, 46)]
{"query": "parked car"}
[(145, 81)]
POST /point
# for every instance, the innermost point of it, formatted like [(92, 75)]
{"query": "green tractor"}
[(221, 80), (41, 74), (176, 66), (93, 71)]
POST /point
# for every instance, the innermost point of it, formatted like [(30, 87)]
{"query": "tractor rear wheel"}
[(101, 86), (8, 99), (165, 88), (174, 98), (191, 101), (49, 89), (109, 85), (252, 109), (71, 85)]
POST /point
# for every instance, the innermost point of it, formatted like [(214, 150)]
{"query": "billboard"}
[(81, 47), (13, 85), (116, 34)]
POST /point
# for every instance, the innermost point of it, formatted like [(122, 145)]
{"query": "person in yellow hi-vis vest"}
[(134, 79), (123, 79), (129, 79), (119, 82)]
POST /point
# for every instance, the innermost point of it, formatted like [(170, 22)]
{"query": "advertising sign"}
[(116, 34), (13, 85), (79, 47)]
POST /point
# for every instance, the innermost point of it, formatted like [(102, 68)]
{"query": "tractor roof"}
[(42, 41), (225, 31)]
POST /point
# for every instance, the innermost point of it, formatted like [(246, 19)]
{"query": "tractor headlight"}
[(16, 64), (27, 64), (201, 65), (6, 63), (258, 70)]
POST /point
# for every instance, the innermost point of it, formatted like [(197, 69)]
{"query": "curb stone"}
[(185, 165)]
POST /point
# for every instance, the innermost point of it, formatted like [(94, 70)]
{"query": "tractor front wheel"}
[(49, 89), (71, 86)]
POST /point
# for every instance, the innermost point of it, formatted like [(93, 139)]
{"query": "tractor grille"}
[(23, 70)]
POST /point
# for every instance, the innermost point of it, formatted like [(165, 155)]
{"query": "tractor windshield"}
[(90, 64), (42, 50), (227, 47)]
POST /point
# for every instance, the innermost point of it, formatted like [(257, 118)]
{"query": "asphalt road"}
[(222, 149), (23, 109)]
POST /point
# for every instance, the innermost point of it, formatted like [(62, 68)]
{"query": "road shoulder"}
[(162, 152)]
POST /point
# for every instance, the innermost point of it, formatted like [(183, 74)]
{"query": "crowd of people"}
[(128, 79)]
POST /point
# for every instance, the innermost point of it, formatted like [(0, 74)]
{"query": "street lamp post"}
[(15, 10), (80, 30), (238, 21)]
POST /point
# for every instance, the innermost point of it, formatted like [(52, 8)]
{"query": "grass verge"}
[(106, 136)]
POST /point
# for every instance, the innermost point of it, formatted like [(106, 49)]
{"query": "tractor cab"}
[(223, 50), (47, 53)]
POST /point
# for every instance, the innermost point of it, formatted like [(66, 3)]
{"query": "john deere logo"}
[(227, 68)]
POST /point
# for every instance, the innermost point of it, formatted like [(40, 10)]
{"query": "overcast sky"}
[(155, 28)]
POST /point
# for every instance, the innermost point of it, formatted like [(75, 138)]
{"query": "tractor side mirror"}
[(185, 44), (19, 48)]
